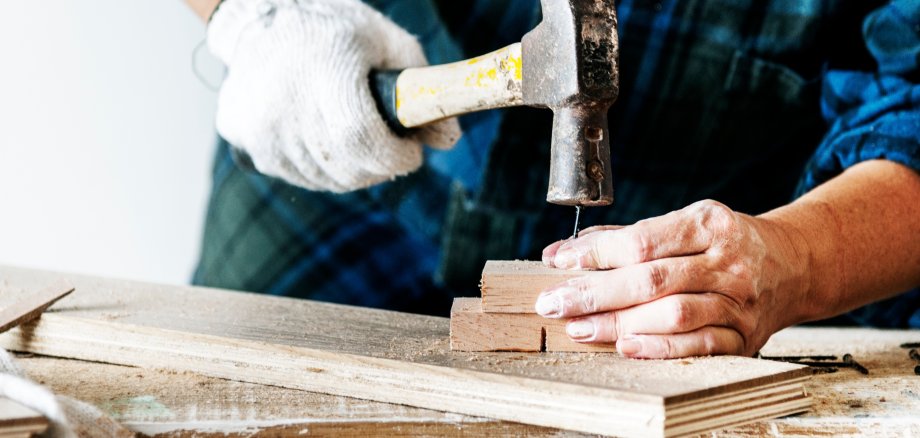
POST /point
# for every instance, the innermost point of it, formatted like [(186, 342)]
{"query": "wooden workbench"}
[(161, 403)]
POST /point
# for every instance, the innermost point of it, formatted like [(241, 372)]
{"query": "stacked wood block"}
[(504, 318)]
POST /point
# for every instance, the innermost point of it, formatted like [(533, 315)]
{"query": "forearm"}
[(203, 8), (858, 235)]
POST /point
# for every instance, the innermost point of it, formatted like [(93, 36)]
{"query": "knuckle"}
[(717, 217), (710, 343), (640, 247), (598, 252), (588, 300), (653, 281), (741, 271), (668, 347), (680, 316)]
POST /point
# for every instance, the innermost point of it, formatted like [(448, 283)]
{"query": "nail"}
[(549, 305), (629, 346), (580, 330)]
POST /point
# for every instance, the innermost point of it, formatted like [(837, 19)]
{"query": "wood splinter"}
[(32, 307)]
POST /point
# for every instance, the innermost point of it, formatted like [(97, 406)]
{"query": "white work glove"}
[(297, 96), (68, 418)]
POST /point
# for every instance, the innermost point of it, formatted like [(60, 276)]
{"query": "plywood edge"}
[(793, 372), (795, 385), (512, 398), (741, 417), (688, 405), (791, 394)]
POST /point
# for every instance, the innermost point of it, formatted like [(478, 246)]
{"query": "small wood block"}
[(513, 286), (471, 329)]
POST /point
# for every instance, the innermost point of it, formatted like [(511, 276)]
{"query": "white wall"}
[(106, 136)]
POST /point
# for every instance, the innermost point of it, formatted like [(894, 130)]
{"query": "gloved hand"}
[(297, 97), (68, 417)]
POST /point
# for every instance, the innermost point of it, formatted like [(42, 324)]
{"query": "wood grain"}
[(395, 357), (513, 286), (473, 330), (31, 306)]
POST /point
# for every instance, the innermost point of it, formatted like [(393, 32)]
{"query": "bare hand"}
[(703, 280)]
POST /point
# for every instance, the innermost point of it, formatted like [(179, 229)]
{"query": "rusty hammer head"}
[(570, 66)]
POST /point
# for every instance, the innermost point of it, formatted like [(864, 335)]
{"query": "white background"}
[(106, 136)]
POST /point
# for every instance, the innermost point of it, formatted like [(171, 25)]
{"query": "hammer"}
[(568, 63)]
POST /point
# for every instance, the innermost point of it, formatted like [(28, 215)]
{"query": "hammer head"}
[(570, 66)]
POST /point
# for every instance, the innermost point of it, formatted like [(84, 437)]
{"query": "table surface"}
[(886, 402)]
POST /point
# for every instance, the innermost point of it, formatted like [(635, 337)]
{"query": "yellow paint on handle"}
[(428, 94), (515, 65)]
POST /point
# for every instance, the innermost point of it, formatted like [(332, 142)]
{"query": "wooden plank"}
[(32, 305), (513, 286), (473, 330), (162, 403), (18, 420), (379, 355)]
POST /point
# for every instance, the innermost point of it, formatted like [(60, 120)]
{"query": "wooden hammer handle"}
[(427, 94)]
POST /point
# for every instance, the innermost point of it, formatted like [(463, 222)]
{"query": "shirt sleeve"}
[(873, 114)]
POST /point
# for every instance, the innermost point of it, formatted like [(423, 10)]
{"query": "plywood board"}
[(164, 403), (473, 330), (395, 357), (513, 286)]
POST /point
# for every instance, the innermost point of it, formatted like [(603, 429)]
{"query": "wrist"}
[(808, 229), (789, 266)]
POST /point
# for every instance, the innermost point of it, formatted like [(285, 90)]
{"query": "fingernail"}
[(629, 346), (567, 259), (549, 305), (547, 258), (580, 330)]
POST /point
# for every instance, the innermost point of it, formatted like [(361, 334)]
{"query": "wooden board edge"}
[(679, 407), (748, 417), (797, 371), (710, 410)]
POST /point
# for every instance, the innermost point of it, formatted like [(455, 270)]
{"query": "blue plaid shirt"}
[(749, 102)]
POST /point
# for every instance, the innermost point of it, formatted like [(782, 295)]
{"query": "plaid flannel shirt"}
[(749, 102)]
